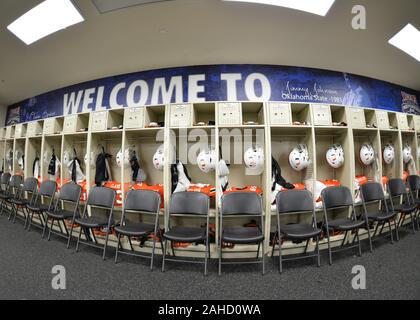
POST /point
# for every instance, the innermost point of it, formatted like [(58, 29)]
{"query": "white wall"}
[(3, 110)]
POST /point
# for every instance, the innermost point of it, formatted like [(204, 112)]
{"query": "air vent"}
[(105, 6)]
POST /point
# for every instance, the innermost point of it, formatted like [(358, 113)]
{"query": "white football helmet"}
[(254, 158), (299, 157), (389, 153), (159, 158), (206, 160), (367, 154), (335, 156), (407, 156)]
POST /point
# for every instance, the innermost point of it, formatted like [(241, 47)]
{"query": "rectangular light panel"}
[(105, 6), (319, 7), (408, 40), (48, 17)]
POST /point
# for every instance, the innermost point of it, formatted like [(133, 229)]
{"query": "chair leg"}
[(78, 239), (165, 246), (70, 235), (390, 232), (153, 252), (220, 257), (329, 247), (369, 237), (412, 223), (273, 245), (26, 219), (280, 256), (263, 259), (49, 231), (206, 257), (318, 253), (359, 242), (400, 221), (396, 230), (14, 216), (118, 246), (258, 250), (45, 226), (106, 243), (30, 221)]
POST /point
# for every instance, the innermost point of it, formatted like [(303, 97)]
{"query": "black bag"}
[(74, 169), (101, 173), (51, 166), (135, 167)]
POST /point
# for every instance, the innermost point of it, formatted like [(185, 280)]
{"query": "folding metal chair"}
[(340, 198), (4, 189), (240, 205), (297, 203), (25, 197), (43, 202), (13, 193), (193, 204), (405, 205), (103, 198), (414, 184), (372, 192), (69, 195), (140, 202)]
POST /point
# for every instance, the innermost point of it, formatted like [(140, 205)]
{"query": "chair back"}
[(193, 203)]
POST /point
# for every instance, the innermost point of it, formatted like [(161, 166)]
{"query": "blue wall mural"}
[(217, 83)]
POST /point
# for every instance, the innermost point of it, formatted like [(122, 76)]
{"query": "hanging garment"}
[(138, 174), (35, 168), (180, 179), (102, 168), (54, 167), (75, 170), (277, 177)]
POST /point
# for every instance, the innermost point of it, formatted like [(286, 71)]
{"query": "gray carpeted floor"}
[(26, 262)]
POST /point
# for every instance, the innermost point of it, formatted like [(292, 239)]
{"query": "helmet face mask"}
[(299, 157), (389, 153), (206, 160), (407, 156), (159, 159), (335, 156), (254, 158), (367, 154)]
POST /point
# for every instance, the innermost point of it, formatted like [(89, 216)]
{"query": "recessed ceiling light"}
[(408, 40), (48, 17), (319, 7)]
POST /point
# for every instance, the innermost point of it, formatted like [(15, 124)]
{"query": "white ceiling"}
[(194, 32)]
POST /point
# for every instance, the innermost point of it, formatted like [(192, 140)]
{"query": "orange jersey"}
[(405, 175), (362, 180), (245, 189), (385, 180), (206, 189), (117, 186)]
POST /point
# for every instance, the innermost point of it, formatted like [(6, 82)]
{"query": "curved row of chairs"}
[(24, 200)]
